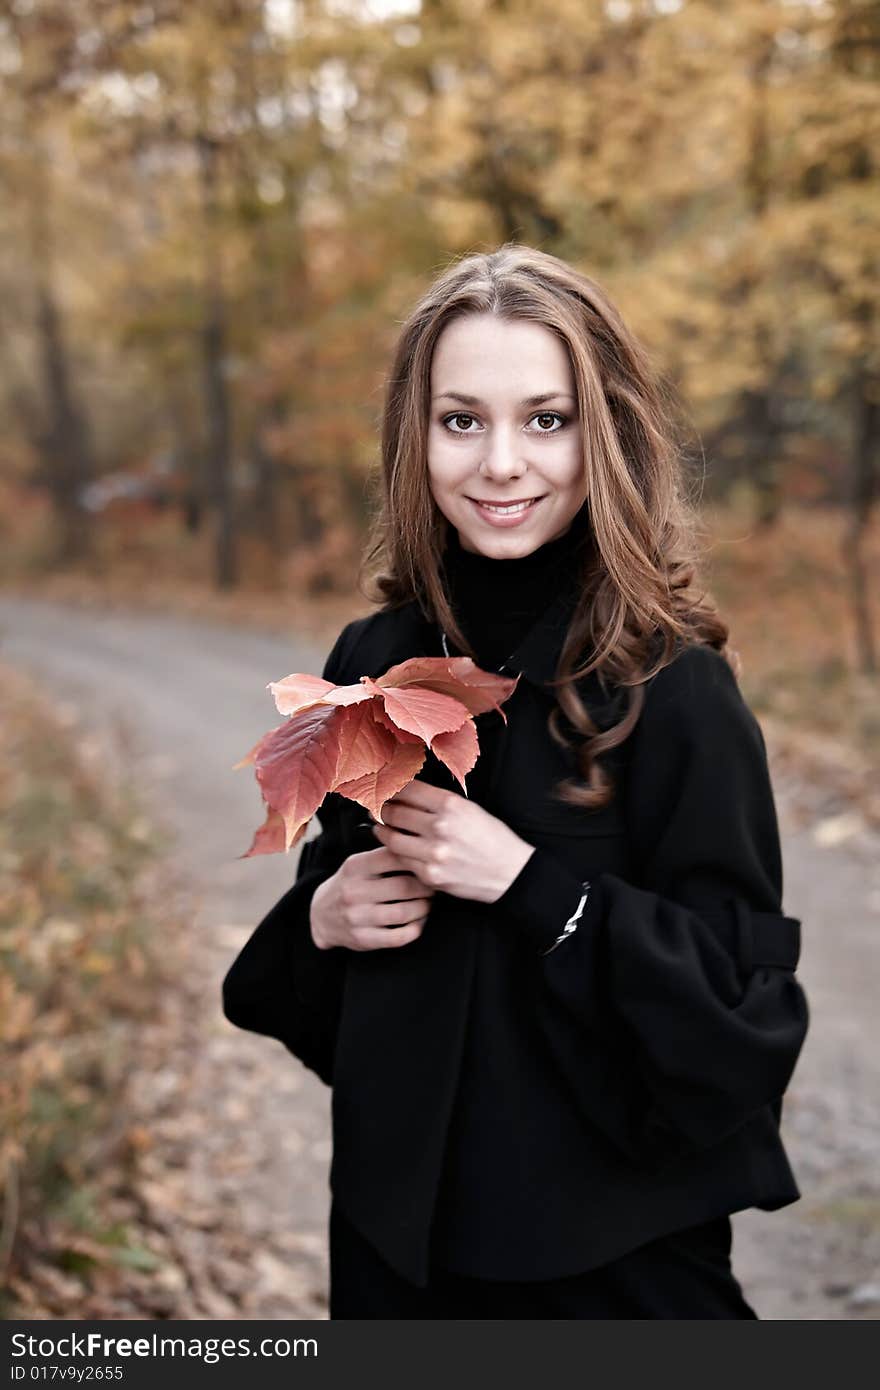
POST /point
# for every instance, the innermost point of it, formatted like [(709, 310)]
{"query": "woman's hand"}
[(450, 843), (359, 909)]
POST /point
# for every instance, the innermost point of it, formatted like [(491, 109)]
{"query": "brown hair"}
[(636, 600)]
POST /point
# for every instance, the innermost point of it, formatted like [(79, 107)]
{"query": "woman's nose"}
[(502, 457)]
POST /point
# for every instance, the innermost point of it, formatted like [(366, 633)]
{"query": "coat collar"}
[(538, 653), (535, 658)]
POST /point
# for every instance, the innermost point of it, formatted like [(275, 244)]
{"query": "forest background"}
[(214, 217)]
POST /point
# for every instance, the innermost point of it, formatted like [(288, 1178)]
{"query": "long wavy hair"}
[(636, 601)]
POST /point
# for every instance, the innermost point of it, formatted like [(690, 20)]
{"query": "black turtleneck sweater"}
[(496, 602)]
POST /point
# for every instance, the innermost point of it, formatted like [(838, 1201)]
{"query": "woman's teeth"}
[(507, 510)]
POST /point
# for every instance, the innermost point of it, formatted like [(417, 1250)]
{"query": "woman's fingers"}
[(376, 861), (380, 938), (414, 848), (381, 876), (383, 904), (411, 818), (395, 887), (396, 914)]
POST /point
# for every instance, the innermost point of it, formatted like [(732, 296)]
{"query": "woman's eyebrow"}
[(529, 400)]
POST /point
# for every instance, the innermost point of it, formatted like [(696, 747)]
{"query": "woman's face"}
[(504, 429)]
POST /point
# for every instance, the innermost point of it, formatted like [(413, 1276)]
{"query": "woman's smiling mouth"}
[(505, 513)]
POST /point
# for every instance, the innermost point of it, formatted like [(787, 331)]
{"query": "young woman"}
[(558, 1014)]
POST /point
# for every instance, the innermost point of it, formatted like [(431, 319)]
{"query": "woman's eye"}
[(458, 419), (550, 415)]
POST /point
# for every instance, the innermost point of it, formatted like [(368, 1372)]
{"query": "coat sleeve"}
[(687, 972), (280, 984)]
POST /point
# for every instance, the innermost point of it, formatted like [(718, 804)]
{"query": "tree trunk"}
[(762, 425), (188, 461), (866, 445), (765, 441), (267, 496), (216, 392), (63, 441)]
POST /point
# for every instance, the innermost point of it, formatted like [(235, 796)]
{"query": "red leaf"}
[(419, 711), (296, 765), (458, 750), (364, 745), (367, 740), (375, 788), (270, 838), (348, 694), (249, 757), (377, 709), (458, 676), (298, 691)]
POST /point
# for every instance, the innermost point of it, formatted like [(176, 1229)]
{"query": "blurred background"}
[(214, 218)]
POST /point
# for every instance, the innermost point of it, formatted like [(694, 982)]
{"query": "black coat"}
[(510, 1111)]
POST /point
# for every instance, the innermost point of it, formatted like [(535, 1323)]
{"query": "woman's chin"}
[(498, 547)]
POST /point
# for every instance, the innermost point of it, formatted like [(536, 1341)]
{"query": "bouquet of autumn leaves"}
[(366, 741)]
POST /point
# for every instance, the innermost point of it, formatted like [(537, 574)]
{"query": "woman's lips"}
[(504, 519)]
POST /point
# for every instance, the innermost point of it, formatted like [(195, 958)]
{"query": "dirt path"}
[(252, 1149)]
